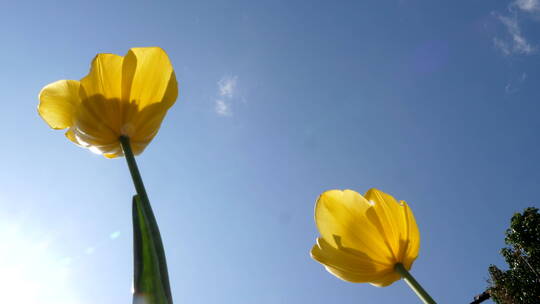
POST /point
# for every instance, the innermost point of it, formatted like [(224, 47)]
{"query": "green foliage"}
[(520, 284), (151, 279)]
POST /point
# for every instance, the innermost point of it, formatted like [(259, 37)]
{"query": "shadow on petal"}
[(99, 122)]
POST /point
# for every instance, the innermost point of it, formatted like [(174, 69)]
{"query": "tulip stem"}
[(133, 168), (145, 280), (414, 285)]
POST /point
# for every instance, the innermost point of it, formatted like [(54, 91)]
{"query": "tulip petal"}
[(386, 279), (364, 237), (341, 215), (105, 77), (103, 87), (346, 266), (351, 277), (348, 261), (71, 136), (413, 237), (57, 103), (92, 126), (388, 217), (148, 77)]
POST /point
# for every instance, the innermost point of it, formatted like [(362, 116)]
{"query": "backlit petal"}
[(71, 136), (341, 219), (385, 279), (102, 90), (105, 77), (148, 77), (346, 260), (92, 125), (57, 103), (351, 277), (364, 237), (389, 216), (413, 236), (120, 96), (345, 266), (146, 125)]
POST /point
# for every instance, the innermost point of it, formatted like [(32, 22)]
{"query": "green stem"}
[(133, 169), (143, 206), (414, 285)]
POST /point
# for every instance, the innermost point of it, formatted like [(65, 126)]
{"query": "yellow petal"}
[(148, 77), (348, 261), (145, 126), (388, 217), (413, 236), (342, 222), (92, 125), (112, 155), (57, 103), (397, 225), (103, 87), (97, 145), (351, 277), (105, 77), (346, 268), (363, 237), (74, 135), (385, 279), (71, 136)]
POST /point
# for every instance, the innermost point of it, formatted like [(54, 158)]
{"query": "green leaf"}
[(151, 279)]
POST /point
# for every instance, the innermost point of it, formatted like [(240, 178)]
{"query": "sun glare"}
[(30, 271)]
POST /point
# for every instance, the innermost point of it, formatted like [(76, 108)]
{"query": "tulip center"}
[(128, 129)]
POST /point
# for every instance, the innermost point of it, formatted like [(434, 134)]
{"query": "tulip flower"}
[(116, 110), (121, 96), (367, 239)]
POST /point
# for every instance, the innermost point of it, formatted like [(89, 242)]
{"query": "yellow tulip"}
[(363, 238), (121, 96)]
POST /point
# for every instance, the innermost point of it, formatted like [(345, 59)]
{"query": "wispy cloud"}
[(227, 91), (530, 6), (223, 108), (515, 42), (227, 86), (502, 46), (514, 85)]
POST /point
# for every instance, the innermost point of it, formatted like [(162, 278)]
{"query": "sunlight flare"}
[(32, 272)]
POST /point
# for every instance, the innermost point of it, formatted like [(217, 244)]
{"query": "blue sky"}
[(435, 102)]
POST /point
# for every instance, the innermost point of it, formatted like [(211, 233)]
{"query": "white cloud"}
[(227, 91), (227, 86), (516, 43), (223, 108), (502, 45), (528, 5)]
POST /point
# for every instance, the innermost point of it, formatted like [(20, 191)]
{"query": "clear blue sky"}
[(435, 102)]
